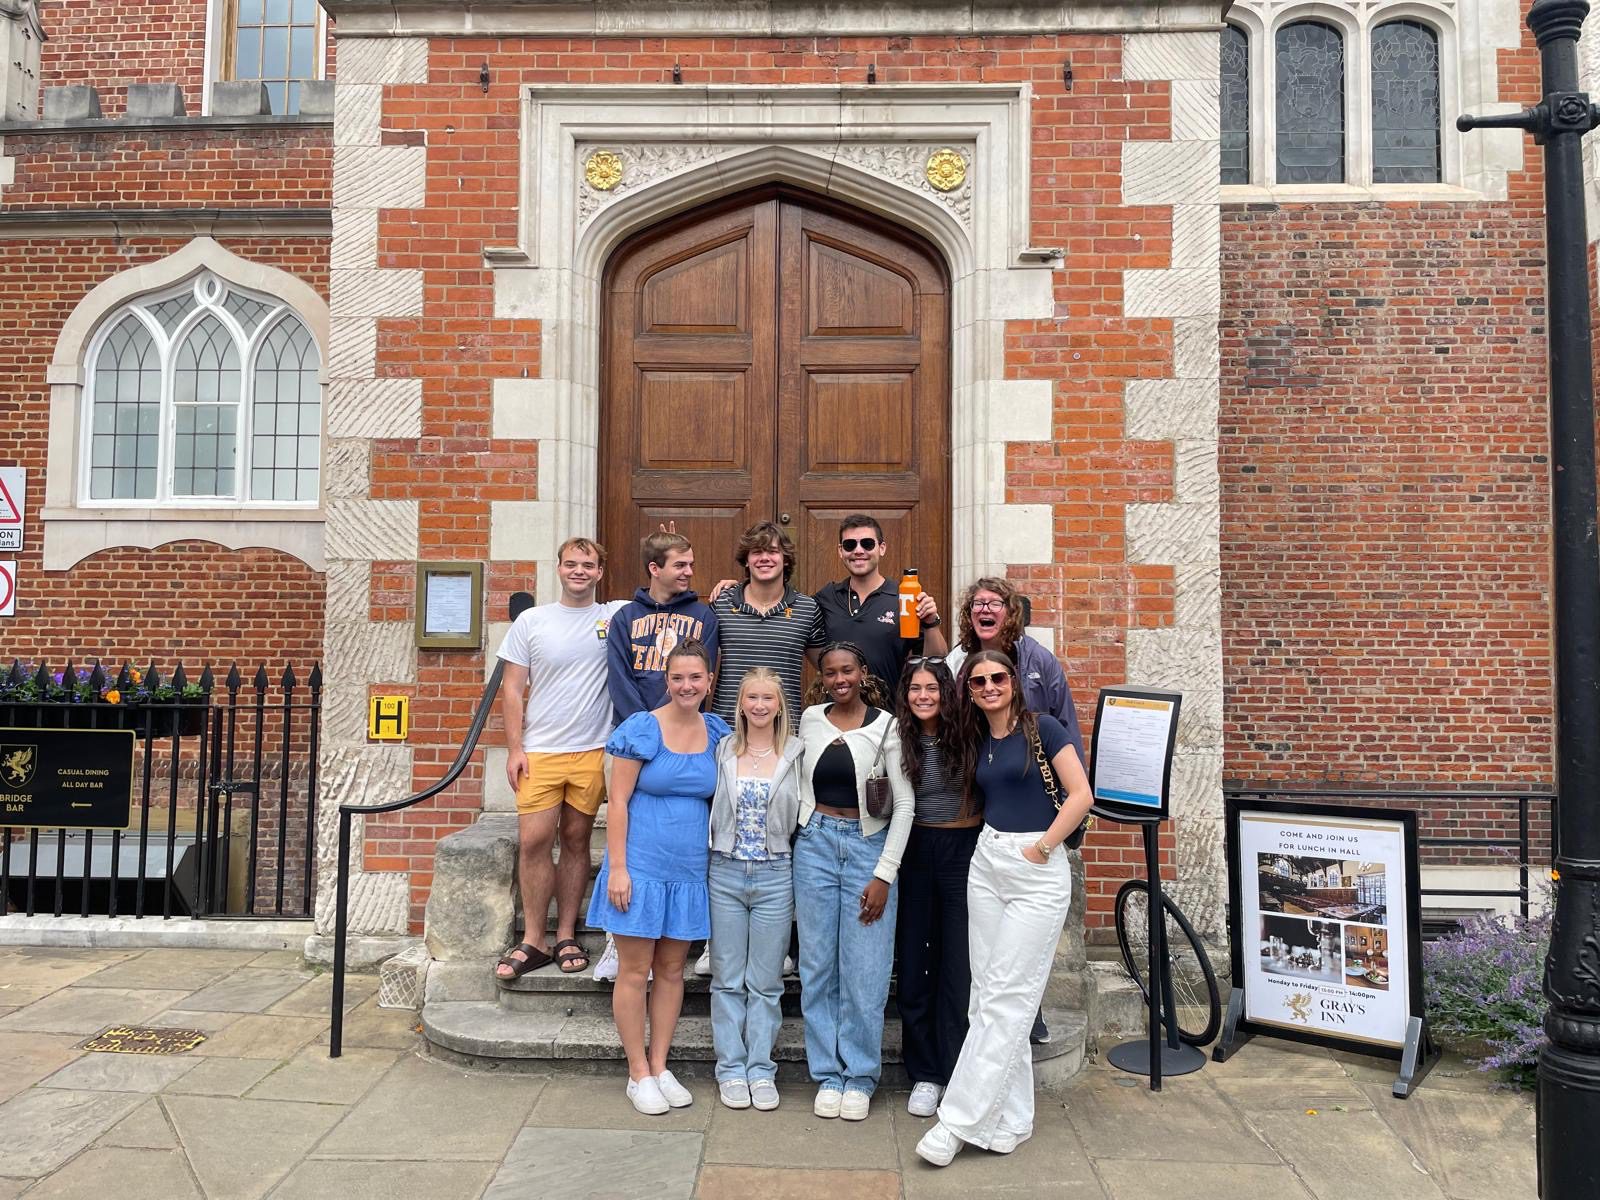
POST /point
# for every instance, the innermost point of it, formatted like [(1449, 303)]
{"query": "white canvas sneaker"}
[(646, 1096), (676, 1094), (788, 965), (702, 966), (924, 1101), (827, 1102), (764, 1094), (735, 1093), (855, 1105), (939, 1145), (606, 968)]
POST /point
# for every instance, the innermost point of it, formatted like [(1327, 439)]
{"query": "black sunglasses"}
[(924, 661), (849, 544), (979, 682)]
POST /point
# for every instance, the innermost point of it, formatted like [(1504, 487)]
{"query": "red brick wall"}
[(283, 167), (188, 600), (109, 46)]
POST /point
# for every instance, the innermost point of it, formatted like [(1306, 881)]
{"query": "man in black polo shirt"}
[(864, 607), (764, 621)]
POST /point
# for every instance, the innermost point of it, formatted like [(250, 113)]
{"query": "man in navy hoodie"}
[(659, 616)]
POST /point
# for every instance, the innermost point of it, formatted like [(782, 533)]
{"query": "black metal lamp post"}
[(1569, 1065)]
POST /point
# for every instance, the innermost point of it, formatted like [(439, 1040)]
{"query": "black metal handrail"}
[(1522, 842), (520, 602)]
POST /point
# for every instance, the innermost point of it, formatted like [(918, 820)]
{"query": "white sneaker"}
[(735, 1093), (828, 1102), (702, 966), (676, 1094), (788, 965), (646, 1096), (606, 968), (924, 1100), (764, 1094), (939, 1145), (1005, 1143), (855, 1105)]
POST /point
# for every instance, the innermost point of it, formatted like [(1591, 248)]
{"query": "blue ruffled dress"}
[(669, 816)]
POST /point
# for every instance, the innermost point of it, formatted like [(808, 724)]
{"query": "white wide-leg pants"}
[(1016, 910)]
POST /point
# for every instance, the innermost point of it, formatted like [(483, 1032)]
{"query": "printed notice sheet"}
[(449, 608), (1132, 744)]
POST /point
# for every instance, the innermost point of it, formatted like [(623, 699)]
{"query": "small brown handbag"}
[(879, 799)]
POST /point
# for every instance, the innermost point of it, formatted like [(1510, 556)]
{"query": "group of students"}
[(914, 808)]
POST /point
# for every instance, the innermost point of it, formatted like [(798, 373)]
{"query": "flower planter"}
[(186, 720)]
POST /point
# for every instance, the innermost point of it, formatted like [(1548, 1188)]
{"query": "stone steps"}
[(547, 1020), (484, 1034)]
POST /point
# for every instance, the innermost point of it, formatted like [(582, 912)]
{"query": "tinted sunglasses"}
[(849, 544), (978, 682), (924, 661)]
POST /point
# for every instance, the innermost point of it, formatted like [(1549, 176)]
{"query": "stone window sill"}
[(1348, 193)]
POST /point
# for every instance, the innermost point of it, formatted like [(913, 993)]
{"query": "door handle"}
[(784, 518)]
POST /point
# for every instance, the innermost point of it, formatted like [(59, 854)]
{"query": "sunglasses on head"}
[(931, 660), (849, 544), (979, 682)]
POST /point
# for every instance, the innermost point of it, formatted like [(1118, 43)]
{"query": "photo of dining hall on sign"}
[(1339, 889)]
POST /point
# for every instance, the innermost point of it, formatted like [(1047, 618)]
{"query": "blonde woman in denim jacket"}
[(753, 814)]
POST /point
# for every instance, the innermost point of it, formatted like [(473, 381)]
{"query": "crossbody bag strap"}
[(1050, 785), (883, 742)]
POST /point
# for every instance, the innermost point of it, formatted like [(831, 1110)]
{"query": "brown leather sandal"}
[(535, 959), (574, 960)]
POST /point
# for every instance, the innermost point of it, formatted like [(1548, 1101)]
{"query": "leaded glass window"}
[(275, 41), (1235, 105), (208, 392), (1405, 103), (1310, 103)]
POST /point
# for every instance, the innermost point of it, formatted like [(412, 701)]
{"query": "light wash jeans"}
[(1015, 911), (844, 965), (752, 906)]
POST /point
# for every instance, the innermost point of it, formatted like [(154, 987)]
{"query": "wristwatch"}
[(932, 622), (1044, 851)]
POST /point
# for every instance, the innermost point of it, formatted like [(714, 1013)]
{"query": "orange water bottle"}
[(910, 593)]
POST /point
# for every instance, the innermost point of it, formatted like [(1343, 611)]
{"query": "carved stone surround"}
[(683, 147)]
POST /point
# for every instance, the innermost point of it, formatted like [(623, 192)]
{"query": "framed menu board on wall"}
[(1324, 912)]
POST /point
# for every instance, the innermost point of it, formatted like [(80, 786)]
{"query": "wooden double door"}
[(781, 358)]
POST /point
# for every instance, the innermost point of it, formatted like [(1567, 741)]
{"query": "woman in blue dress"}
[(651, 893)]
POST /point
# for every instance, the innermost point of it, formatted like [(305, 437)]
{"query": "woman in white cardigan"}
[(845, 865)]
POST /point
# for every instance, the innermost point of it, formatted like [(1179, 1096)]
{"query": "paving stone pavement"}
[(259, 1110)]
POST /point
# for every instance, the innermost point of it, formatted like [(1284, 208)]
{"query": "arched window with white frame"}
[(1405, 103), (206, 394), (1309, 59)]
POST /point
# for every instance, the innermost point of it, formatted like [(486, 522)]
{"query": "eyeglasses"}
[(849, 544), (978, 682), (994, 604), (925, 661)]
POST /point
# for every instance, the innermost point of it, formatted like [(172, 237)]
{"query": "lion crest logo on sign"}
[(17, 764), (1300, 1007)]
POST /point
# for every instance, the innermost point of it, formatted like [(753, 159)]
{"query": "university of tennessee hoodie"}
[(638, 642)]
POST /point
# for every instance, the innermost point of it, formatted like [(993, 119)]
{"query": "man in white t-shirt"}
[(557, 717)]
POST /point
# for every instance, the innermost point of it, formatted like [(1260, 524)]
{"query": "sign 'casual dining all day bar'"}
[(66, 778)]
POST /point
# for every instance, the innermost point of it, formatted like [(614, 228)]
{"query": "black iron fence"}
[(1456, 828), (223, 801)]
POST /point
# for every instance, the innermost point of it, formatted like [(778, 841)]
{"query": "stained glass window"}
[(1310, 103), (275, 41), (1405, 103), (1235, 105), (230, 376)]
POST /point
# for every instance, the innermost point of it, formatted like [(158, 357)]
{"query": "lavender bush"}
[(1483, 995)]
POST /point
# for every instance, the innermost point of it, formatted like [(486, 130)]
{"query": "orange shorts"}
[(577, 779)]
